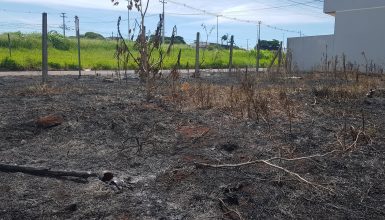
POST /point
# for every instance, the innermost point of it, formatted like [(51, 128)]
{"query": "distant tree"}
[(176, 40), (269, 45), (179, 40), (53, 32), (93, 35), (224, 38)]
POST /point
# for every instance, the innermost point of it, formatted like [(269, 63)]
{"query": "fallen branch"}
[(45, 171), (298, 176), (355, 142), (269, 163), (263, 161)]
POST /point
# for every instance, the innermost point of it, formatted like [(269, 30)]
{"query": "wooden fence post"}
[(78, 37), (276, 56), (45, 49), (196, 73), (258, 54), (231, 53), (9, 45), (280, 57), (288, 62)]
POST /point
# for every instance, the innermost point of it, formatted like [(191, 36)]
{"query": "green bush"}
[(30, 64), (7, 64), (70, 66), (101, 66), (58, 41), (54, 66)]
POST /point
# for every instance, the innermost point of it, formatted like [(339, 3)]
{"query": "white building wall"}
[(359, 28), (332, 6), (361, 31), (309, 53)]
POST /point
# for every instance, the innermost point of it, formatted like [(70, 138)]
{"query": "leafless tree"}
[(151, 53)]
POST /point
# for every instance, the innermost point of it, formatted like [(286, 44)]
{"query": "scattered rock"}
[(376, 93), (72, 208), (229, 147), (50, 121), (370, 93), (107, 176), (108, 80)]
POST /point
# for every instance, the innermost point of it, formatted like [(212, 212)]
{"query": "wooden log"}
[(45, 171)]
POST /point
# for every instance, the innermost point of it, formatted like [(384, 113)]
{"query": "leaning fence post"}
[(44, 49), (196, 73), (231, 53)]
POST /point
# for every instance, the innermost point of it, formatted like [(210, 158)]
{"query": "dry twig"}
[(229, 211), (269, 163)]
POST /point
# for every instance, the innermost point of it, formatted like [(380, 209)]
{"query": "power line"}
[(272, 7), (233, 18), (305, 3)]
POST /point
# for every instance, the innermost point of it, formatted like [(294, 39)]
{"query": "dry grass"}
[(39, 89), (282, 100), (247, 99)]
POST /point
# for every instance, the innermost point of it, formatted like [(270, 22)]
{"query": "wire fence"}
[(209, 51)]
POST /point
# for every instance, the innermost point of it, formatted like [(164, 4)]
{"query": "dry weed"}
[(39, 89)]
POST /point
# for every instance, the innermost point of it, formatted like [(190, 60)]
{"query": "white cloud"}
[(97, 4), (241, 9)]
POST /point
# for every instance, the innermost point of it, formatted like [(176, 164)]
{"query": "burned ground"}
[(154, 149)]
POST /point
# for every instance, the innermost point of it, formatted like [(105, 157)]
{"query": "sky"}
[(280, 19)]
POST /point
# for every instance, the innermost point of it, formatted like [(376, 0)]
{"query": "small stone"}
[(229, 147), (72, 207), (50, 121), (108, 80), (107, 176), (370, 93)]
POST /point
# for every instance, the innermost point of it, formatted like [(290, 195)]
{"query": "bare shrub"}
[(151, 53)]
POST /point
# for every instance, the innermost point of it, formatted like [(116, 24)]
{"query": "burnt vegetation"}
[(239, 146)]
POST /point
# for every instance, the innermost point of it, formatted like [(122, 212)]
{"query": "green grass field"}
[(99, 54)]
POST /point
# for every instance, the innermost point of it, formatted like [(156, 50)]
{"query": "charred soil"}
[(154, 148)]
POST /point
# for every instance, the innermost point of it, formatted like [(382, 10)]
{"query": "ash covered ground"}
[(154, 149)]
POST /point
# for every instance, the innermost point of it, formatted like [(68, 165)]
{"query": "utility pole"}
[(247, 44), (63, 15), (163, 18), (217, 30), (258, 44)]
